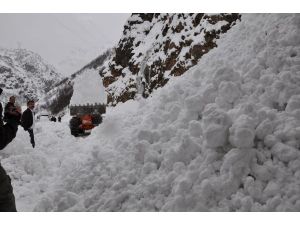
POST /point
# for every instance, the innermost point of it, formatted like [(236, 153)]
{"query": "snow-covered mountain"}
[(223, 137), (60, 96), (25, 74), (156, 47), (67, 40)]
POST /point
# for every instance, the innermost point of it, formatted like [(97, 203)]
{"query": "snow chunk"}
[(285, 152), (237, 162), (195, 128), (215, 126), (271, 189), (225, 74), (242, 132), (229, 91), (194, 103), (263, 129), (270, 140), (293, 103)]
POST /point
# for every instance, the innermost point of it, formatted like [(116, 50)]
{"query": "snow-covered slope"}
[(25, 74), (224, 137), (156, 47)]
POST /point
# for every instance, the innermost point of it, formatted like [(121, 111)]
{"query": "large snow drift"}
[(223, 137)]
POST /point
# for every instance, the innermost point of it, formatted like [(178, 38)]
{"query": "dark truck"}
[(85, 118)]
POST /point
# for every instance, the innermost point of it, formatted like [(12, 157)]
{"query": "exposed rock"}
[(4, 69), (30, 68), (156, 47)]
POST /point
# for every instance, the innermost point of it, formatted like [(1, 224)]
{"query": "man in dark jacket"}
[(7, 199), (27, 121), (11, 112)]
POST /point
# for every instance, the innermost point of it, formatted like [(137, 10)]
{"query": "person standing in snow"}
[(1, 110), (11, 112), (7, 134), (27, 121)]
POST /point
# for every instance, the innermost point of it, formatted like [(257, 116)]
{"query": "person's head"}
[(12, 99), (30, 104)]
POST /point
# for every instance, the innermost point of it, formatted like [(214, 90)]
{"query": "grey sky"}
[(68, 41)]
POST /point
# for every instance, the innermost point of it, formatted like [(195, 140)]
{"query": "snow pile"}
[(225, 137), (88, 89), (34, 171)]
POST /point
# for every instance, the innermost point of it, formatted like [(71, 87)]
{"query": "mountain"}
[(157, 47), (96, 63), (25, 74)]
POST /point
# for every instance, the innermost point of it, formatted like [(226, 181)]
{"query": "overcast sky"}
[(68, 41)]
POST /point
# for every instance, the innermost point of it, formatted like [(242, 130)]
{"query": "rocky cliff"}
[(156, 47)]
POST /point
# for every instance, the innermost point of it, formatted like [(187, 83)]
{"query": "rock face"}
[(24, 73), (156, 47)]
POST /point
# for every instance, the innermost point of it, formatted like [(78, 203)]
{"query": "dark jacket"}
[(9, 108), (7, 198), (7, 133), (27, 119)]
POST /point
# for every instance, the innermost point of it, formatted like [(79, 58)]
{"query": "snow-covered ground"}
[(223, 137)]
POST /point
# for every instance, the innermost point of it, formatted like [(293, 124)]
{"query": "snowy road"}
[(35, 171)]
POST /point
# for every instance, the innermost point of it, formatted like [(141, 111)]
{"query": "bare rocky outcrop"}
[(155, 47), (25, 74)]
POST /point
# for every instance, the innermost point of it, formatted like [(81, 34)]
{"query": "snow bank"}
[(223, 137), (88, 89)]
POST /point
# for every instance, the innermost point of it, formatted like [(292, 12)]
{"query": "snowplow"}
[(85, 118)]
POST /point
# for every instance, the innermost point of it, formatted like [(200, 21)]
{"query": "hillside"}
[(25, 74)]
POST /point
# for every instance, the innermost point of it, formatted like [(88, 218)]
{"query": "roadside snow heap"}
[(223, 137), (88, 89)]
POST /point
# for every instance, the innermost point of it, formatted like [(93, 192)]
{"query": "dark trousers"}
[(7, 198), (30, 131)]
